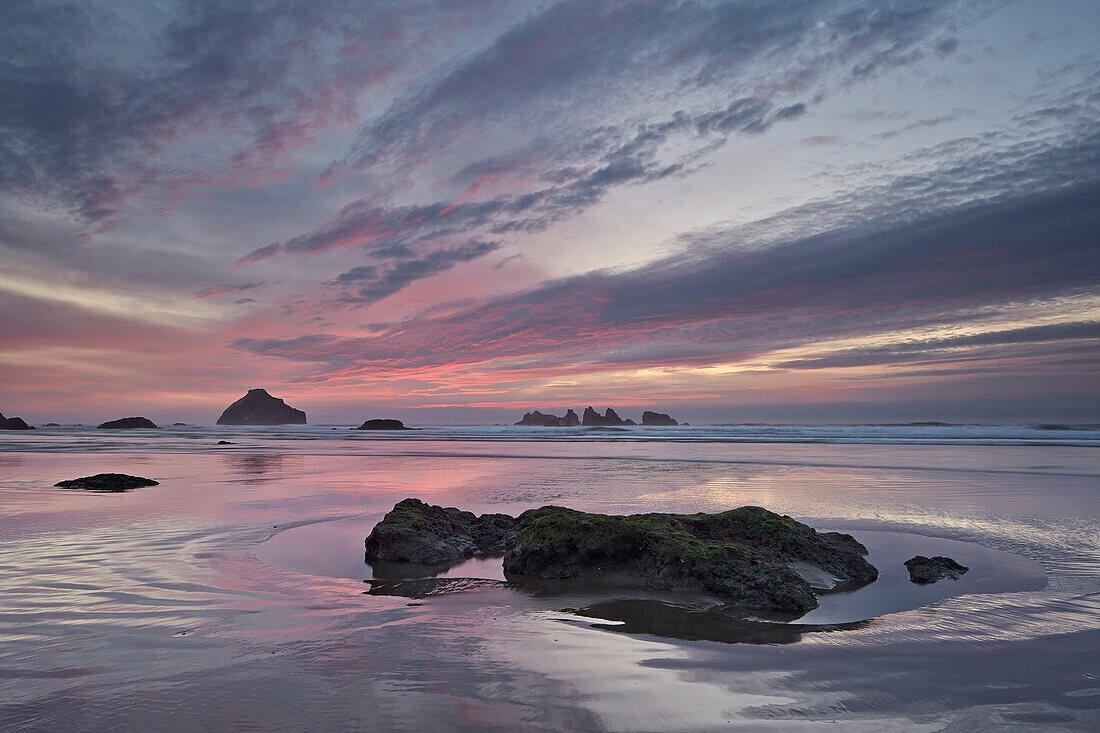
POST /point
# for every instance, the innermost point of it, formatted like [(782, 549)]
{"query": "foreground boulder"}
[(260, 408), (14, 423), (383, 424), (417, 532), (751, 557), (657, 418), (743, 555), (107, 482), (128, 423), (931, 569)]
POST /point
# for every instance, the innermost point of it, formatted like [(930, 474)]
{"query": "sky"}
[(786, 211)]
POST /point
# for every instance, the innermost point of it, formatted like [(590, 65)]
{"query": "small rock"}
[(931, 569), (128, 423), (107, 482), (225, 442), (383, 424)]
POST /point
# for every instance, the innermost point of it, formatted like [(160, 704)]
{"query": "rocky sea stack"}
[(14, 423), (926, 570), (657, 418), (610, 418), (383, 424), (750, 556), (107, 483), (260, 408), (128, 423), (544, 420)]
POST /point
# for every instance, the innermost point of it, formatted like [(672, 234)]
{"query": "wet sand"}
[(234, 595)]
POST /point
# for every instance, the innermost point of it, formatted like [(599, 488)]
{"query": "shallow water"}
[(233, 595)]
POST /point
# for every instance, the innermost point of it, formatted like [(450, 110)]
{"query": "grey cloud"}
[(405, 272), (95, 97), (924, 265)]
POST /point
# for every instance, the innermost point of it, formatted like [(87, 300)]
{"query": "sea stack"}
[(128, 423), (14, 423), (657, 418), (593, 418), (259, 408)]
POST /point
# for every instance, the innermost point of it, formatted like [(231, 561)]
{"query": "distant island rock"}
[(107, 483), (128, 423), (226, 442), (544, 420), (14, 423), (260, 408), (657, 418), (50, 425), (609, 419), (749, 556), (179, 424), (924, 570), (383, 424)]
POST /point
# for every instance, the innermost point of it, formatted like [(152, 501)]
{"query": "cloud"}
[(223, 289), (109, 108), (639, 81), (384, 284), (927, 264)]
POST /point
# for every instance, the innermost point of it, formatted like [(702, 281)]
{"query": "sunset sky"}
[(791, 211)]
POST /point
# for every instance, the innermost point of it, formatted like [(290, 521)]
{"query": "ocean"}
[(234, 595)]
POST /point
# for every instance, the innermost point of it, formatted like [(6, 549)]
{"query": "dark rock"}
[(570, 420), (541, 420), (420, 533), (930, 569), (128, 423), (383, 424), (743, 555), (628, 421), (225, 442), (657, 418), (747, 556), (259, 408), (51, 425), (14, 423), (593, 418), (179, 424), (107, 482)]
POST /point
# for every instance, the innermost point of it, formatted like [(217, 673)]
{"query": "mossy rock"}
[(421, 533), (743, 555)]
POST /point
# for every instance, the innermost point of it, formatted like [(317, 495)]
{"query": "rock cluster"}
[(609, 419), (107, 483), (128, 423), (546, 420), (591, 418), (931, 569), (260, 408), (14, 423), (743, 555)]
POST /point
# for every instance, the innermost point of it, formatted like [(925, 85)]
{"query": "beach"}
[(234, 595)]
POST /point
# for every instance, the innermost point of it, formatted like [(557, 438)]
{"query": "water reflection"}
[(725, 625), (255, 467)]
